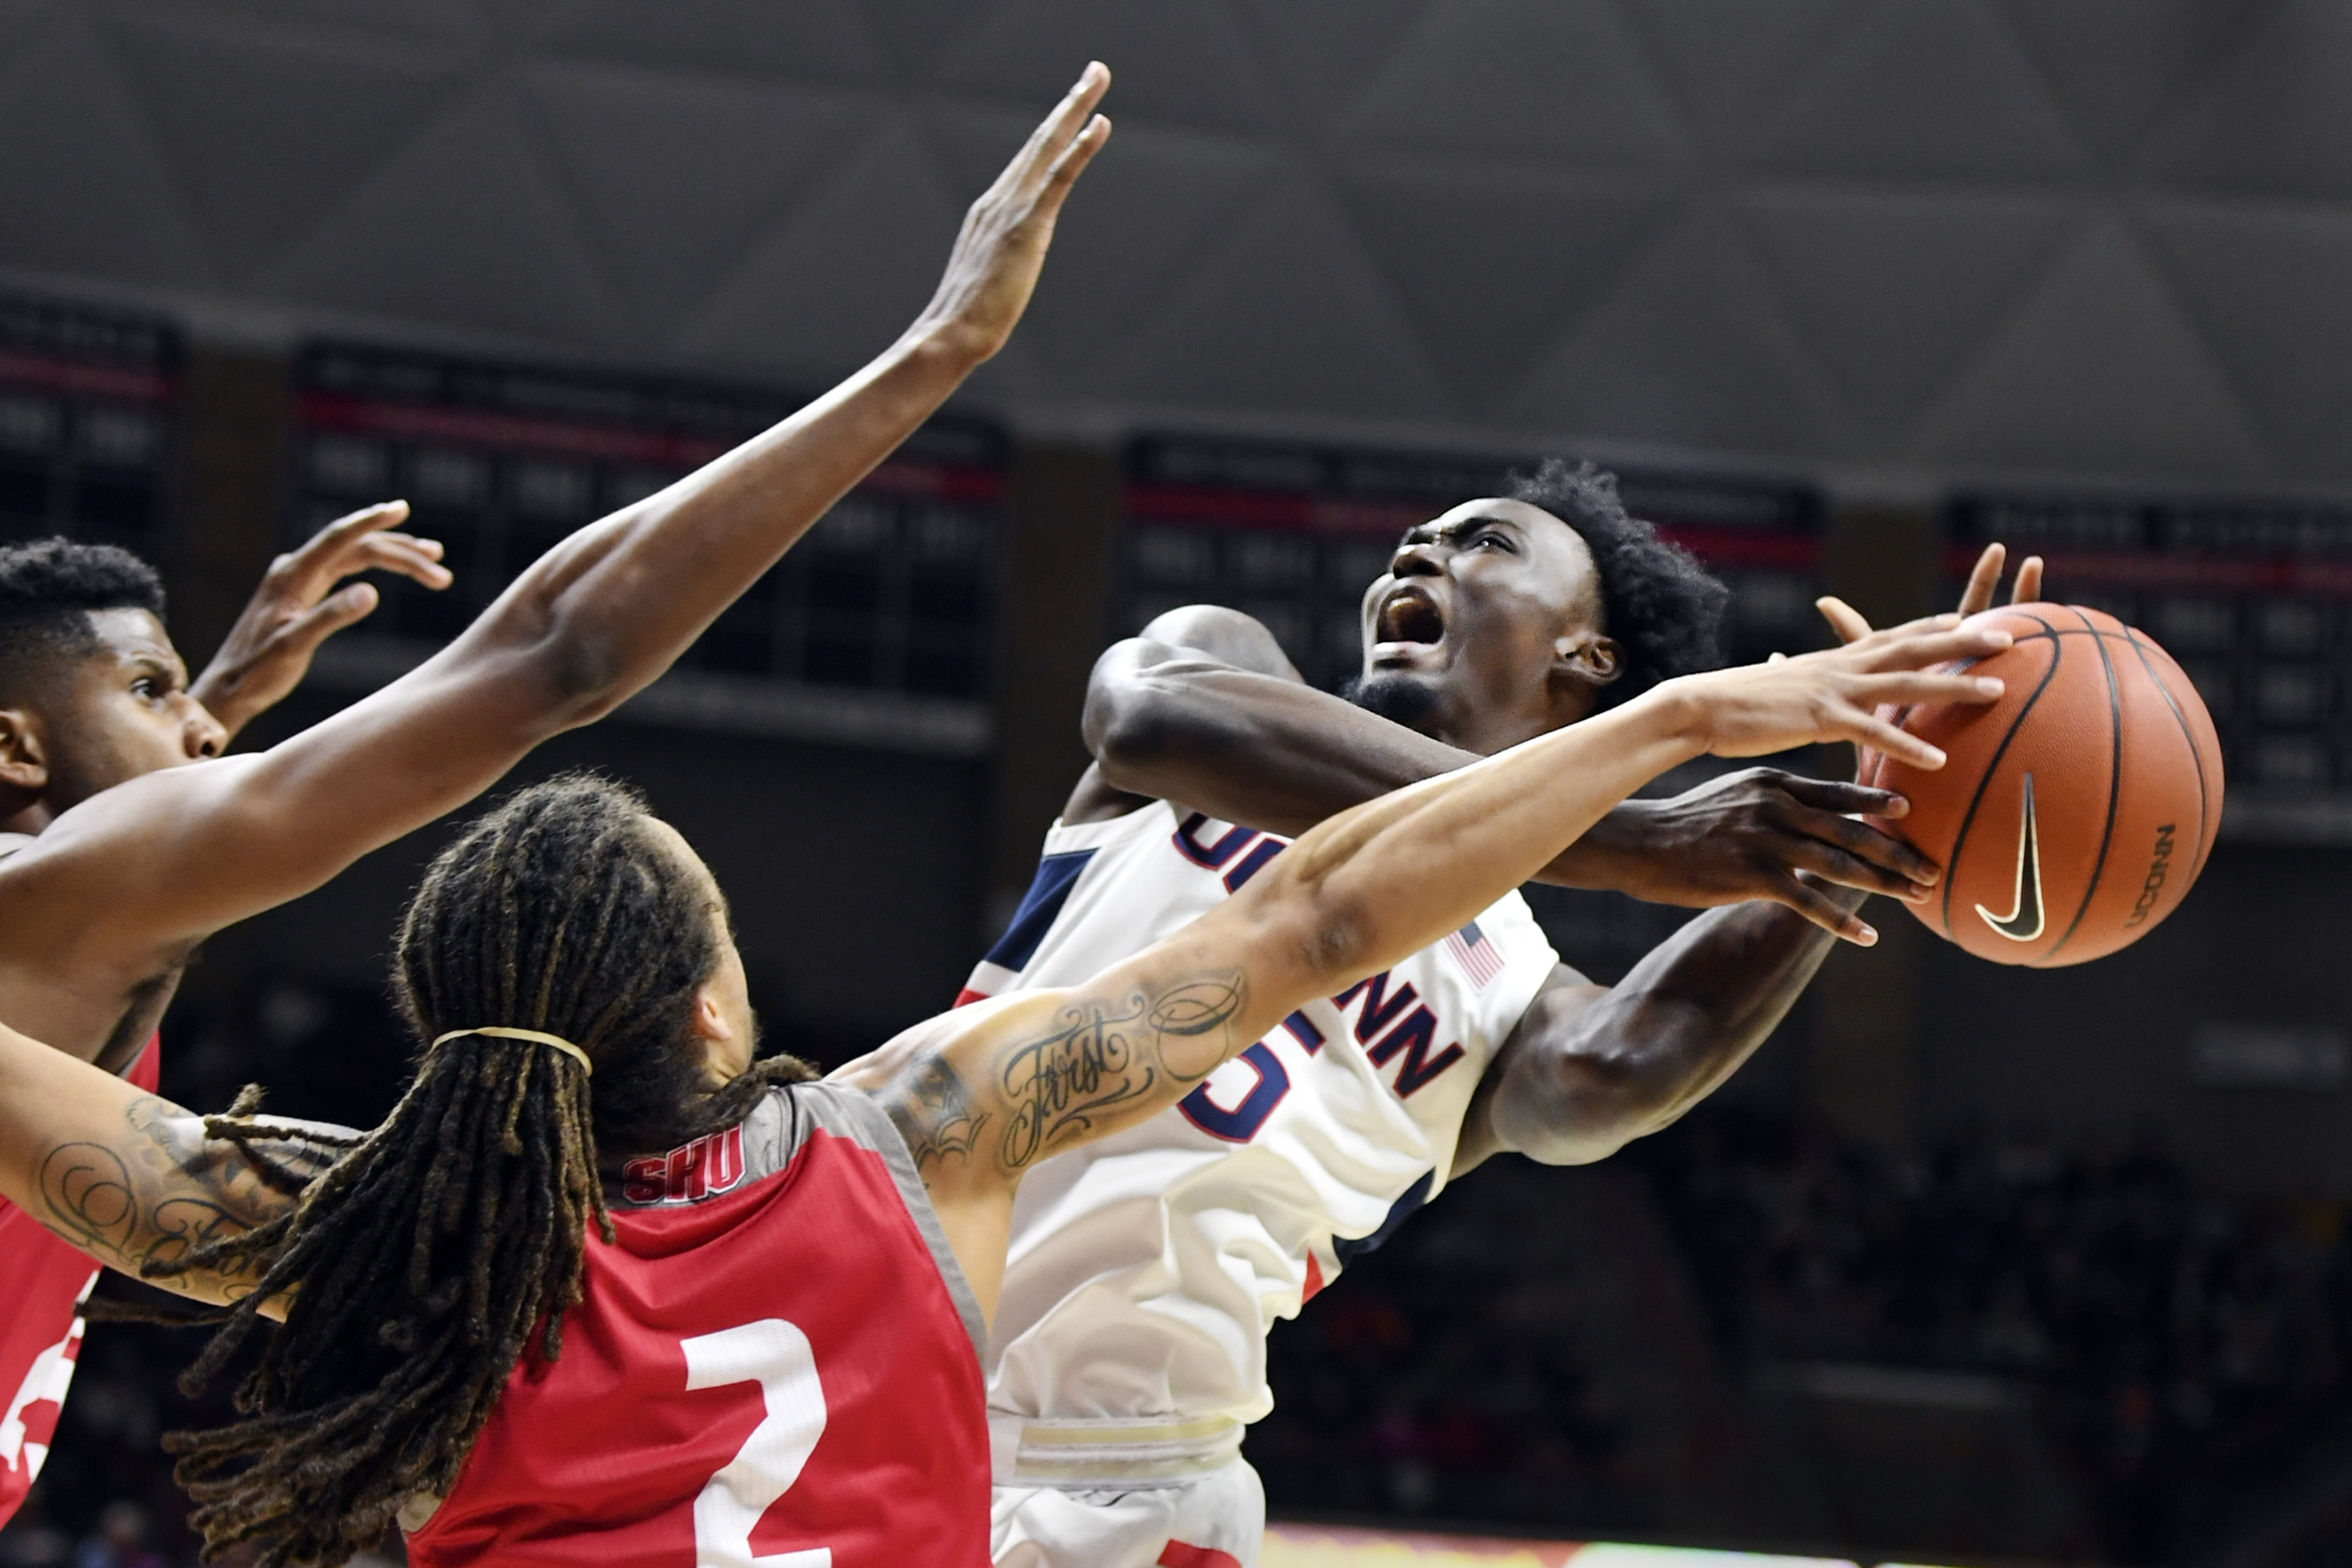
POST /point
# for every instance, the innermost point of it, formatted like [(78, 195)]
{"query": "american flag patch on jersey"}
[(1477, 955)]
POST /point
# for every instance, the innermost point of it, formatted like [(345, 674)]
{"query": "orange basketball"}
[(2072, 816)]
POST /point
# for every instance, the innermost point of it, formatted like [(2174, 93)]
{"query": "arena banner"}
[(2255, 599), (87, 414), (1334, 1546), (876, 632)]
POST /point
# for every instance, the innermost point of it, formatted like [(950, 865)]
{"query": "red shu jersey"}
[(777, 1365), (43, 1283)]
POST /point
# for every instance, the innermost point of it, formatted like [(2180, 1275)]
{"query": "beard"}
[(1400, 699)]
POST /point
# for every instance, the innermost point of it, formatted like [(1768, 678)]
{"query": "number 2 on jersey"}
[(775, 1355)]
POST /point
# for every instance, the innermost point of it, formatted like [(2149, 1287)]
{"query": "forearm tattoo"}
[(1100, 1059), (167, 1189)]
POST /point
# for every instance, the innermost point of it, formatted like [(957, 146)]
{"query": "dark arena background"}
[(1971, 1266)]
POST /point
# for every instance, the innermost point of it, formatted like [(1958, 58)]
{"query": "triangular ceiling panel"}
[(2268, 291), (1558, 80), (1150, 209), (2280, 120), (1896, 291), (466, 227), (1929, 88), (680, 175), (1286, 315), (1730, 66), (1322, 54), (2099, 371), (834, 283), (268, 127), (807, 39), (88, 186), (1180, 60), (1691, 348), (2118, 68), (1494, 269)]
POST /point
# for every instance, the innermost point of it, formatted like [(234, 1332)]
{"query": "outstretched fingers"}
[(2029, 581), (1983, 579), (1844, 618), (1071, 120)]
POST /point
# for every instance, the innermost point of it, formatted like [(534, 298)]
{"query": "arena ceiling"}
[(1896, 238)]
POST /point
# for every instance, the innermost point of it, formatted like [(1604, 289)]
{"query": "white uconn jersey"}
[(1145, 1269)]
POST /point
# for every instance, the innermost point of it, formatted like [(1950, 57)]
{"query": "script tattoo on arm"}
[(935, 1112), (164, 1190), (1103, 1059)]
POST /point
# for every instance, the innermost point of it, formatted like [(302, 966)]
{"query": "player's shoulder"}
[(1146, 822)]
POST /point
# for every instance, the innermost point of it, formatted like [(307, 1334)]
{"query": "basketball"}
[(2071, 816)]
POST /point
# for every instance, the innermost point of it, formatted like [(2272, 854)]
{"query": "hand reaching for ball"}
[(1834, 695)]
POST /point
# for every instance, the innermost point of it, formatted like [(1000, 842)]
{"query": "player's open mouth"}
[(1409, 615)]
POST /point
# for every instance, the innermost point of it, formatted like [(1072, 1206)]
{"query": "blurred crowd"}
[(2184, 1353), (2183, 1350), (1447, 1374)]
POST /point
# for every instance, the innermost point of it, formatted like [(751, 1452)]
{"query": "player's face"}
[(728, 1031), (121, 712), (1485, 630)]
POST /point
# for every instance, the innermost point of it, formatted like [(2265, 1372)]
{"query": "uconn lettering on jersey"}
[(704, 1168), (1392, 1025)]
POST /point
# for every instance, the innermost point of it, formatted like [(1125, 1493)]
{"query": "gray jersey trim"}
[(781, 1121), (851, 1113)]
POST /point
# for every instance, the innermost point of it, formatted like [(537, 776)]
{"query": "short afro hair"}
[(47, 590), (1657, 603)]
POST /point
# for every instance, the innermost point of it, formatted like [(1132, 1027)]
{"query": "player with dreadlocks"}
[(603, 1288)]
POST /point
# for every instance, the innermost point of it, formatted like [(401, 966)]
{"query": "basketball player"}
[(100, 913), (92, 693), (815, 1261), (1146, 1271)]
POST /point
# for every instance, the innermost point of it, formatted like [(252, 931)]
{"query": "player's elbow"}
[(1137, 723), (1584, 1109)]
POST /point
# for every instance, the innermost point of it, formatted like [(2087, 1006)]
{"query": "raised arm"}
[(129, 878), (986, 1091), (1170, 716)]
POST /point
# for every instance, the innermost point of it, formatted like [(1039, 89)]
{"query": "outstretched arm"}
[(125, 1175), (986, 1091), (1589, 1068), (1168, 718), (125, 882)]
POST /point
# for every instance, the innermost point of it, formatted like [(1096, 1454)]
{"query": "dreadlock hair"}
[(1657, 603), (47, 590), (447, 1243)]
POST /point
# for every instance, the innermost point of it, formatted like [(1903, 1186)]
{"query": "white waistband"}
[(1132, 1451)]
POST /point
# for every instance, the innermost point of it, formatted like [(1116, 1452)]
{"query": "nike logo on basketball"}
[(2024, 921)]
